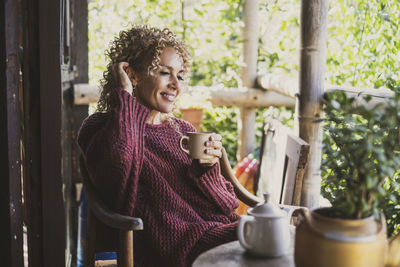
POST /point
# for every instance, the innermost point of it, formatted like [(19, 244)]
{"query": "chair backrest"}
[(101, 211), (283, 158), (106, 230)]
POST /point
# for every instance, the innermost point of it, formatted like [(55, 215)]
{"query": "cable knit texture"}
[(139, 170)]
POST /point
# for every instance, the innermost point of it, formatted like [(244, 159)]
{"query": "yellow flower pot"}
[(330, 242)]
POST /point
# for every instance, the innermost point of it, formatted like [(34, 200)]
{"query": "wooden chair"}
[(283, 159), (116, 230)]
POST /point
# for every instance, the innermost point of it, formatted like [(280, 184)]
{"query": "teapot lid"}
[(267, 209)]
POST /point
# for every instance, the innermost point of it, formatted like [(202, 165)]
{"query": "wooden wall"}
[(10, 160)]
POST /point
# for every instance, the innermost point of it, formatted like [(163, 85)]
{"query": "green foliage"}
[(361, 154), (362, 50), (223, 121), (390, 205), (206, 26), (363, 43), (279, 37)]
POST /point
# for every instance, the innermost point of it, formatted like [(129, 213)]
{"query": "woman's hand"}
[(120, 73), (213, 148)]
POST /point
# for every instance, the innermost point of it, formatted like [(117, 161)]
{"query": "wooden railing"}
[(274, 90), (249, 97)]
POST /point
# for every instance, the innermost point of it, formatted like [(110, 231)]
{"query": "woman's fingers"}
[(123, 65), (214, 152), (214, 141), (208, 162), (214, 145), (216, 137), (120, 73)]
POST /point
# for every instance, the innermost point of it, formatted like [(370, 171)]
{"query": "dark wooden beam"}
[(79, 40), (53, 213), (42, 106), (11, 240), (79, 59), (32, 168)]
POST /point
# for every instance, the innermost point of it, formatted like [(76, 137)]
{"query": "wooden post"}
[(53, 212), (125, 248), (246, 126), (74, 115), (32, 174), (11, 239), (311, 83), (42, 138)]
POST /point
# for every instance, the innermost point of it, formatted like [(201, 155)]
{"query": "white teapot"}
[(265, 231)]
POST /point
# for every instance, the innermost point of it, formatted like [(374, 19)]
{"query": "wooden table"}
[(234, 255)]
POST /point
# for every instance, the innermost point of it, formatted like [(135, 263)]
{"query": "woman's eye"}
[(180, 78), (164, 72)]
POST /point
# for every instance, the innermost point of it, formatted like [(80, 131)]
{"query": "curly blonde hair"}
[(141, 47)]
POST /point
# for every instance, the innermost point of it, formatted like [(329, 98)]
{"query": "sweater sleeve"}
[(113, 150), (214, 186)]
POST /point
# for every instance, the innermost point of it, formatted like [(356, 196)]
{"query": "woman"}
[(131, 148)]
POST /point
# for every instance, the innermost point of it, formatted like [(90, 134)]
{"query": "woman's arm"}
[(112, 144), (207, 175), (214, 186)]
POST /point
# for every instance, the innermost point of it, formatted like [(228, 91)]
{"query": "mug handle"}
[(294, 210), (181, 144), (244, 219)]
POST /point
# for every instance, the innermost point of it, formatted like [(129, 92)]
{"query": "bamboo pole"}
[(311, 84), (246, 125), (249, 97), (282, 84), (85, 94), (289, 86)]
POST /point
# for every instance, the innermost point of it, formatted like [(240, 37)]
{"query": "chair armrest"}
[(109, 217), (245, 196), (101, 211)]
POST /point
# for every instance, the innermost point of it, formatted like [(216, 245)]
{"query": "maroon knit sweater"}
[(139, 170)]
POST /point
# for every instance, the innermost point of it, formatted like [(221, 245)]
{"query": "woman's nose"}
[(174, 83)]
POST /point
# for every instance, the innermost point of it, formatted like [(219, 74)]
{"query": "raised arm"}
[(112, 144)]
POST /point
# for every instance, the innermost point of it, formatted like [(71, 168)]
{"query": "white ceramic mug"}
[(196, 143)]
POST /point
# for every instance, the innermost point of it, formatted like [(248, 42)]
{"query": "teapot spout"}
[(393, 257)]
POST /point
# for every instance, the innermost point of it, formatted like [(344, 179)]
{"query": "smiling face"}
[(159, 89)]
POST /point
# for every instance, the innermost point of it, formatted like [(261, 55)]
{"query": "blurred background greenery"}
[(362, 48)]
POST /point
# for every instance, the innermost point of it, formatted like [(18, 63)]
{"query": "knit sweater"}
[(140, 170)]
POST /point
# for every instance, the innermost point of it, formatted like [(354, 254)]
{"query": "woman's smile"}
[(159, 89), (171, 97)]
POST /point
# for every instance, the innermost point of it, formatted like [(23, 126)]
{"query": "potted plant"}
[(362, 158), (191, 105)]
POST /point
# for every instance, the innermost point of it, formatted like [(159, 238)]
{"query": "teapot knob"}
[(267, 196)]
